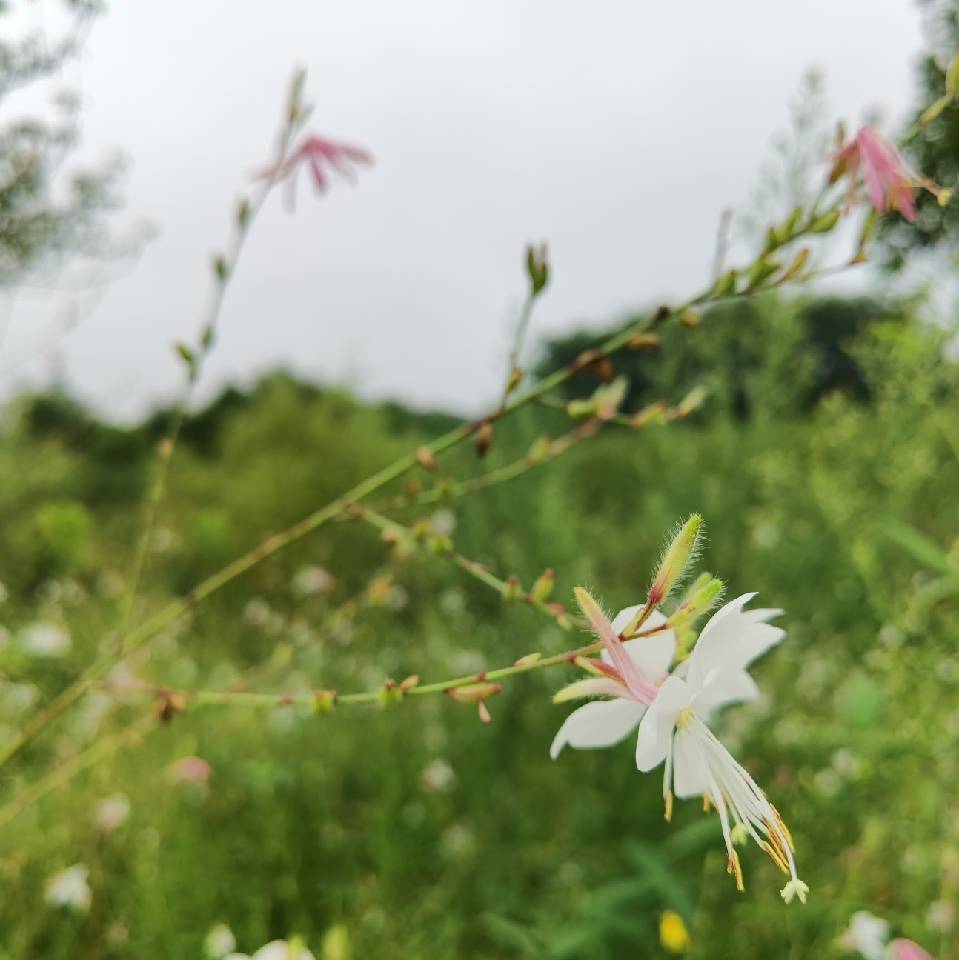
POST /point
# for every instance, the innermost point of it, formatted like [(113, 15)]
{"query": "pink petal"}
[(907, 950)]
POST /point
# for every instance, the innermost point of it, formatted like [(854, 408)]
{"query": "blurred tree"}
[(45, 210)]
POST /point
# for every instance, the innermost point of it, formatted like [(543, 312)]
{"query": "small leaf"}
[(952, 75)]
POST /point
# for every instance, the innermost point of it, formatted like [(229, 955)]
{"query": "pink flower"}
[(320, 156), (889, 181), (190, 770), (907, 950)]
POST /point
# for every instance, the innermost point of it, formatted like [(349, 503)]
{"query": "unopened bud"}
[(644, 341), (796, 264), (692, 401), (596, 361), (389, 693), (426, 459), (543, 586), (537, 268), (539, 451), (512, 589), (825, 223), (439, 544), (580, 409), (653, 413), (219, 267), (324, 701), (484, 439), (515, 379), (610, 398), (700, 598), (243, 213), (473, 692), (726, 285), (528, 660), (690, 318), (761, 271), (168, 704), (410, 682), (673, 565)]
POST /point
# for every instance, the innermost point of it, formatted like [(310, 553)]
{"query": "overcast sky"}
[(616, 131)]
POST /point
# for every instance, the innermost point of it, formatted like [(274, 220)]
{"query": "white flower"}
[(45, 640), (602, 723), (112, 813), (219, 942), (671, 711), (674, 731), (312, 579), (866, 934), (69, 888), (282, 950), (438, 777)]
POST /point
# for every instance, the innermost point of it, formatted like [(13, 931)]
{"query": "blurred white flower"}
[(256, 612), (276, 950), (17, 697), (45, 640), (941, 916), (112, 813), (867, 935), (219, 942), (438, 776), (69, 888), (443, 522), (312, 579)]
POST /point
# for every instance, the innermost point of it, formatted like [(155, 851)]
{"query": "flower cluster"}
[(657, 675)]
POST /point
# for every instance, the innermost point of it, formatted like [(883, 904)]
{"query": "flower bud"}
[(825, 223), (512, 589), (389, 693), (324, 701), (543, 586), (477, 693), (726, 285), (581, 409), (539, 451), (528, 660), (484, 439), (700, 598), (515, 379), (653, 413), (243, 213), (426, 458), (410, 682), (220, 267), (692, 401), (796, 264), (609, 399), (537, 269), (673, 565), (690, 318), (761, 271), (439, 544), (644, 341)]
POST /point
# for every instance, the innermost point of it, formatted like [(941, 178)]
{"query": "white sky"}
[(616, 131)]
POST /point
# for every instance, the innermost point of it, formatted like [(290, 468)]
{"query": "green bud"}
[(761, 271), (537, 269), (512, 589), (389, 693), (324, 701), (609, 398), (825, 223), (539, 451), (796, 264), (186, 354), (581, 409), (543, 586), (699, 599), (439, 544), (673, 565), (243, 213), (692, 401), (726, 284), (219, 267)]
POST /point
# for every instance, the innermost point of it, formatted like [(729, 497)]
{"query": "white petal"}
[(763, 614), (652, 654), (690, 773), (656, 728), (716, 644), (722, 688), (757, 638), (600, 723)]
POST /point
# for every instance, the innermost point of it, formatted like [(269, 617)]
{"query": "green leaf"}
[(921, 548)]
